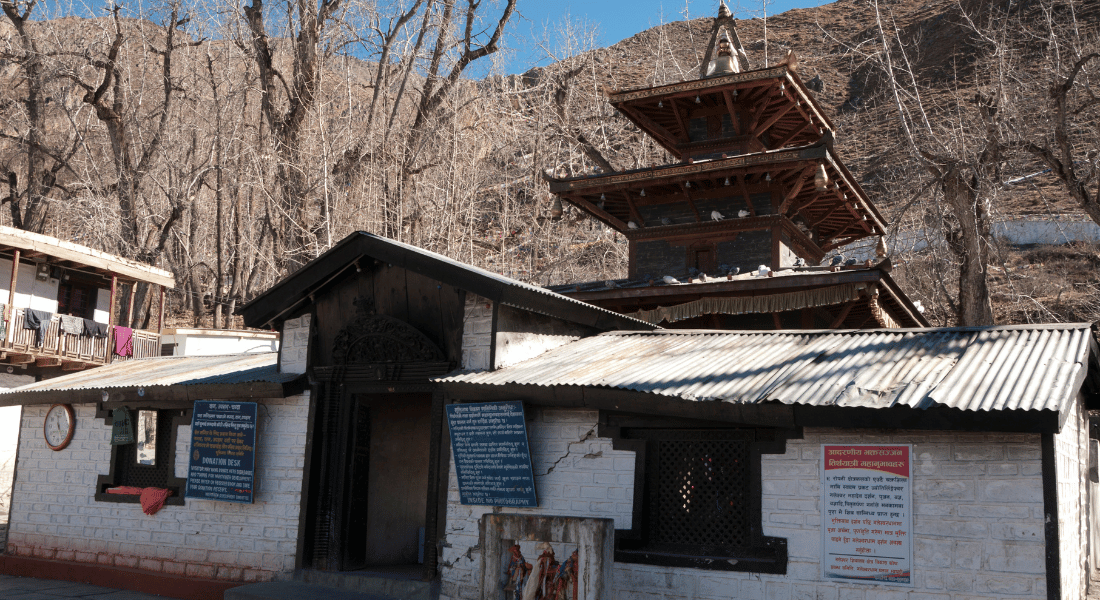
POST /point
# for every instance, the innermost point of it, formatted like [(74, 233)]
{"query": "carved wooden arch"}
[(383, 339)]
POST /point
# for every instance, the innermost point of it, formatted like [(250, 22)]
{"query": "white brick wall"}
[(477, 333), (54, 514), (978, 516), (1071, 466)]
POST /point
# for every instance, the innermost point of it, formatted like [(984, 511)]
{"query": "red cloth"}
[(125, 489), (152, 499), (124, 341)]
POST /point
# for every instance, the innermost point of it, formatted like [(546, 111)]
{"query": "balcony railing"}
[(72, 351)]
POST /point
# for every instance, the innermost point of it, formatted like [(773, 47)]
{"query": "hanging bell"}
[(821, 179), (556, 208)]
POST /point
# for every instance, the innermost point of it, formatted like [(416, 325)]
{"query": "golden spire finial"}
[(725, 54), (723, 10)]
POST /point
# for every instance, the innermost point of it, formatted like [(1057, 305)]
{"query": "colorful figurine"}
[(516, 574)]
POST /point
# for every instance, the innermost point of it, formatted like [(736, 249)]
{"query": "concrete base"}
[(294, 590)]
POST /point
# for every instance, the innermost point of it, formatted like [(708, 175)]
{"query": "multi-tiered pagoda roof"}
[(758, 190)]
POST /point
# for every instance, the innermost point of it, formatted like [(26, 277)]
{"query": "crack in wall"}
[(569, 450)]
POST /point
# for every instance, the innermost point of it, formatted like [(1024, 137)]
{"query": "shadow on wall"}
[(9, 439)]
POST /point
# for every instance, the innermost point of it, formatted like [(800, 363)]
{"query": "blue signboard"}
[(493, 460), (223, 451)]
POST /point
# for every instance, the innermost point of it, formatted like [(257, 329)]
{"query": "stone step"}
[(396, 583), (295, 590)]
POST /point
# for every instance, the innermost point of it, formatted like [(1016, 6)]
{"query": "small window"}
[(697, 499), (149, 461), (76, 300)]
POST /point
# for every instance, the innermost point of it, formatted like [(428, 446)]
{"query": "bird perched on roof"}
[(669, 279), (715, 215), (743, 213), (632, 225), (837, 260), (917, 305), (735, 271), (800, 262), (666, 221), (851, 262), (763, 271), (816, 84)]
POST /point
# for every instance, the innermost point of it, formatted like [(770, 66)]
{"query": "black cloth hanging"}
[(95, 329), (39, 321)]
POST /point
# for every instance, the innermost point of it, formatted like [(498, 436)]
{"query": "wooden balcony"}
[(67, 351)]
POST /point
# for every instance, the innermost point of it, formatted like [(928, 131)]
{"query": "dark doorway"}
[(387, 480)]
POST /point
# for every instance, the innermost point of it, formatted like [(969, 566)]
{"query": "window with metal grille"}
[(127, 470), (697, 499)]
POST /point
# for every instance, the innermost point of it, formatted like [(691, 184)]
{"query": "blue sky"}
[(610, 20), (615, 20)]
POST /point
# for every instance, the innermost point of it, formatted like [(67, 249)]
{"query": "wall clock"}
[(58, 426)]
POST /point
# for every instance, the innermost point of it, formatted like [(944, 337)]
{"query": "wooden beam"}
[(20, 359), (73, 365), (654, 127), (776, 319), (47, 362), (745, 194), (793, 134), (733, 112), (843, 315), (9, 311), (795, 190), (779, 114), (130, 305), (636, 216), (680, 121), (691, 203), (760, 110), (160, 317)]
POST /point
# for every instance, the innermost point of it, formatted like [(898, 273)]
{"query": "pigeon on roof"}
[(837, 260), (815, 84), (632, 225), (715, 215), (743, 213), (669, 279)]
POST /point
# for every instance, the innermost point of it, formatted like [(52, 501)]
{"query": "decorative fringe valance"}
[(773, 303)]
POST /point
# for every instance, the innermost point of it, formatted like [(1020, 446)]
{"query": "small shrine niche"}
[(529, 557)]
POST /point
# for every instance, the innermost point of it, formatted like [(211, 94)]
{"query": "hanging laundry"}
[(124, 341), (95, 329), (39, 321), (72, 325)]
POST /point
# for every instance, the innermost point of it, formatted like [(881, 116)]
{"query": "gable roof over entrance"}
[(354, 250), (1014, 368)]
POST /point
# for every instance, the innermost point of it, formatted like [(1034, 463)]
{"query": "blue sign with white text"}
[(223, 451), (493, 460)]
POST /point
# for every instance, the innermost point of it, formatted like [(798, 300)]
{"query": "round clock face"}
[(58, 426)]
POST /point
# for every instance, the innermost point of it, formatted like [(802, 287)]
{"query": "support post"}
[(160, 317), (130, 305), (114, 295), (9, 312)]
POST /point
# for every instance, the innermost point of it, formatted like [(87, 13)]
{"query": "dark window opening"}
[(76, 300), (697, 497), (130, 463)]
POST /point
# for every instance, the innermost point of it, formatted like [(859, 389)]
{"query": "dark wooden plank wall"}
[(432, 307)]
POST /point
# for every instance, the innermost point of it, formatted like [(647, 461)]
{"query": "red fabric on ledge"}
[(125, 490), (152, 499)]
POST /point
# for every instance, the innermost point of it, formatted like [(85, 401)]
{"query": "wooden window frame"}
[(764, 554), (181, 417)]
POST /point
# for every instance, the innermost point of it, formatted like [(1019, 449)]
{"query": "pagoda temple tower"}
[(758, 183)]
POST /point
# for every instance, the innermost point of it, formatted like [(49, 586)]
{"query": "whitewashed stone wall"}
[(477, 333), (54, 513), (1071, 458), (977, 525)]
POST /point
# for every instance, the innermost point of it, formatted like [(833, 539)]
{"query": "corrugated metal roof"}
[(979, 369), (183, 370)]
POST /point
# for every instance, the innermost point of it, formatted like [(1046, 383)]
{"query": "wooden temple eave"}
[(775, 101), (837, 213)]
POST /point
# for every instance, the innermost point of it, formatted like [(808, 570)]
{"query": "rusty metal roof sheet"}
[(166, 371), (1035, 367)]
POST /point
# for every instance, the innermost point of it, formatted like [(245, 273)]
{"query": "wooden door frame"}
[(337, 453)]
